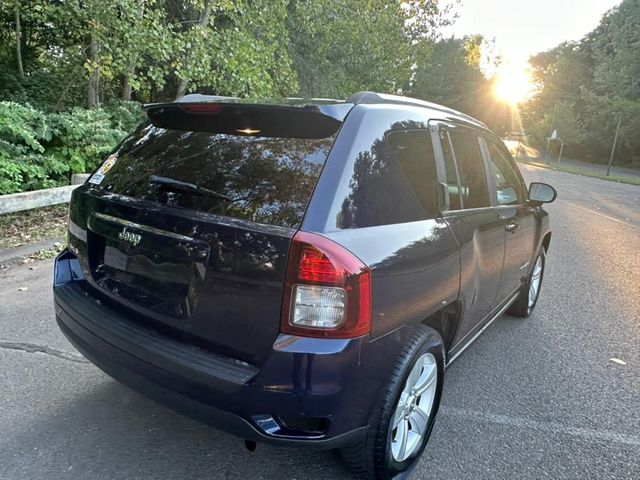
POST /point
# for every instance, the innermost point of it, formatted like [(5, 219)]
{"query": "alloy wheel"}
[(410, 420)]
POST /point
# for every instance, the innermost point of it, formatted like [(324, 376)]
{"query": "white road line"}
[(549, 427), (598, 213)]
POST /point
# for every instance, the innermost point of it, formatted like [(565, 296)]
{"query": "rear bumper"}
[(335, 382)]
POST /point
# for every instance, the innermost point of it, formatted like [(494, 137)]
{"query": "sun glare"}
[(513, 85)]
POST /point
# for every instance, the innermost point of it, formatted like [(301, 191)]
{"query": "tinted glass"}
[(471, 170), (414, 151), (263, 179), (509, 188), (452, 175), (391, 181)]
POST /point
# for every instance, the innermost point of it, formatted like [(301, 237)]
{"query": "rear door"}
[(189, 229), (476, 223), (510, 194)]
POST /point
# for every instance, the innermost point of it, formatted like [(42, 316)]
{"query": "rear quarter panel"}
[(415, 265), (415, 270)]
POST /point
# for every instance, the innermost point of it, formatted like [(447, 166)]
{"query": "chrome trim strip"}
[(479, 332), (144, 228), (78, 232)]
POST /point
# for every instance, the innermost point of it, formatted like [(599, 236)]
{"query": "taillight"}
[(327, 290), (202, 108)]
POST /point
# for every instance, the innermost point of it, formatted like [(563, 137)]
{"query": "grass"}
[(584, 172), (20, 228)]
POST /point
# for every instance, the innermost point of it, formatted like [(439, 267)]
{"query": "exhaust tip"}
[(250, 445)]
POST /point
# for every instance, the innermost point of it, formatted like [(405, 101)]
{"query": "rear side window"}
[(394, 182), (473, 181), (262, 179), (414, 151)]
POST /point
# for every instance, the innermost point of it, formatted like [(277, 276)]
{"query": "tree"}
[(155, 49), (18, 40), (340, 47), (584, 86), (194, 46)]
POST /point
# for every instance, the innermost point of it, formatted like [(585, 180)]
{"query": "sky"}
[(525, 27)]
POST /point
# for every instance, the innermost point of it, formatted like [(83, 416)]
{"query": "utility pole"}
[(615, 141)]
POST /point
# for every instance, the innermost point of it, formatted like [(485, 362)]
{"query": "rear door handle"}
[(511, 227)]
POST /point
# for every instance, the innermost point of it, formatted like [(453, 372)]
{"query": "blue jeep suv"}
[(301, 271)]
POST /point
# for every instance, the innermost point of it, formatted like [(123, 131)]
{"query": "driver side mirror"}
[(540, 193)]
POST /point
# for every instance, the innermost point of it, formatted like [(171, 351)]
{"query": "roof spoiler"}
[(292, 118)]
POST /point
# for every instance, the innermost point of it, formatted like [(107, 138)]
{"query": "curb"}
[(11, 256), (625, 179)]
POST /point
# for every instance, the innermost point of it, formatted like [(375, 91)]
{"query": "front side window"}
[(473, 181), (509, 188)]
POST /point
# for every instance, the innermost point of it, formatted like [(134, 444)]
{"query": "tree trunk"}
[(205, 15), (131, 70), (126, 85), (19, 41), (93, 87)]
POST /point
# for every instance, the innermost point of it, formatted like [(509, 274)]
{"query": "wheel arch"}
[(546, 240), (445, 321)]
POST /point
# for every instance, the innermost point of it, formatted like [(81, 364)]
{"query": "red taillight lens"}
[(202, 108), (314, 266), (327, 290)]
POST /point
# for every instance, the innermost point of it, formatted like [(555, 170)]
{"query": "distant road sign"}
[(554, 134)]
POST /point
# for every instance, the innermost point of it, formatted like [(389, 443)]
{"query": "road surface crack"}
[(35, 348)]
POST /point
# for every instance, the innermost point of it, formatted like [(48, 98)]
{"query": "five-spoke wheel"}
[(411, 417)]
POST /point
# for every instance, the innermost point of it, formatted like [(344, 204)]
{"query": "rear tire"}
[(528, 298), (402, 422)]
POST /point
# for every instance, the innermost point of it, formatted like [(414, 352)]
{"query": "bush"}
[(41, 150)]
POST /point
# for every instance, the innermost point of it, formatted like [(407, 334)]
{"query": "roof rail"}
[(366, 97)]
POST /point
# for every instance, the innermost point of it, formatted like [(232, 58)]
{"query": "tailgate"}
[(200, 278)]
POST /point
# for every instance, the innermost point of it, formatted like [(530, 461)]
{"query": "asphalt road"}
[(538, 398)]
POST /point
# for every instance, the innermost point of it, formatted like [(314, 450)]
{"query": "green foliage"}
[(23, 133), (584, 87), (340, 47), (449, 72), (92, 52), (41, 150)]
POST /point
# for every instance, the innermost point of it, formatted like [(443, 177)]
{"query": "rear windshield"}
[(263, 179)]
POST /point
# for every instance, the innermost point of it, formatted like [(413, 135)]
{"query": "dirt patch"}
[(20, 228)]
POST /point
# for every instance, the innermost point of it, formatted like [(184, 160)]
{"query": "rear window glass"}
[(262, 179)]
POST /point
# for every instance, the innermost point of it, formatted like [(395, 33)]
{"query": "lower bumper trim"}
[(117, 363)]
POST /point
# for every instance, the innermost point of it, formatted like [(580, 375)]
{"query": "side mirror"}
[(541, 193)]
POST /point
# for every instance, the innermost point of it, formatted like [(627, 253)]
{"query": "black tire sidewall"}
[(541, 254), (431, 343)]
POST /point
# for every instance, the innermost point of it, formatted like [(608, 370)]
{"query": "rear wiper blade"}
[(173, 184)]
